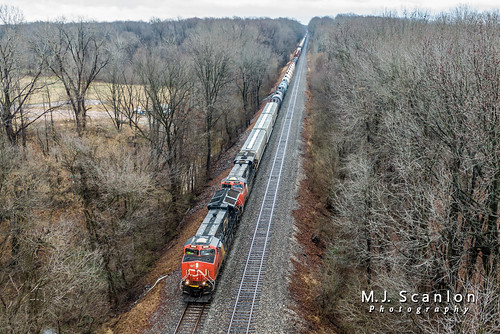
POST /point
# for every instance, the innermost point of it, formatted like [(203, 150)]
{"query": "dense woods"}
[(87, 201), (405, 150)]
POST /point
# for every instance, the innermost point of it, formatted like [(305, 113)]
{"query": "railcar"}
[(283, 86), (297, 53), (272, 109), (301, 44), (277, 97), (241, 175), (254, 147), (265, 122)]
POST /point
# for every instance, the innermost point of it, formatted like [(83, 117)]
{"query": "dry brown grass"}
[(54, 91)]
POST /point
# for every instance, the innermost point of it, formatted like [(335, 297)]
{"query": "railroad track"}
[(191, 318), (248, 295)]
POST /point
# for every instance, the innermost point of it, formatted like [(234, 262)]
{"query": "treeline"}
[(406, 153), (85, 205)]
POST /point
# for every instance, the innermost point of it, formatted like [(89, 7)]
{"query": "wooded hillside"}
[(405, 121)]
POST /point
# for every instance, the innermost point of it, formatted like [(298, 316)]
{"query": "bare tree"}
[(113, 190), (253, 63), (122, 97), (17, 84), (211, 61), (168, 84), (77, 56), (21, 277)]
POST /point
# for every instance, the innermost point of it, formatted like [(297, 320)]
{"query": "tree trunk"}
[(209, 140)]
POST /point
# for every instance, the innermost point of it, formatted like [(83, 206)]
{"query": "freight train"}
[(205, 251)]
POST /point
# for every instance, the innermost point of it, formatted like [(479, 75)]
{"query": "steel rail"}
[(191, 318)]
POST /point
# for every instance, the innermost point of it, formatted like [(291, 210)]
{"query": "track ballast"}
[(191, 318)]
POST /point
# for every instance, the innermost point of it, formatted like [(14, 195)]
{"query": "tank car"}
[(283, 86), (277, 97)]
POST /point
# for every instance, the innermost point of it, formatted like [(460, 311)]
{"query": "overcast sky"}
[(302, 10)]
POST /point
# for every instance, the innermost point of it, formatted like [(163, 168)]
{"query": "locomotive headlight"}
[(204, 283), (187, 282)]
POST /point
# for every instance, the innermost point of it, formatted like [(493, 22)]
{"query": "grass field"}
[(52, 91)]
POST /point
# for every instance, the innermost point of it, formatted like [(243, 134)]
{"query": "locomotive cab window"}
[(207, 252), (238, 186), (191, 251), (225, 185)]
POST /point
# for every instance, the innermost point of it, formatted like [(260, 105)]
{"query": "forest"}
[(108, 132), (405, 157)]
